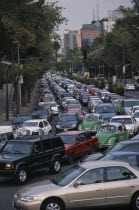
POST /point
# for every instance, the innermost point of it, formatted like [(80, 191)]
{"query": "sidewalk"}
[(23, 109)]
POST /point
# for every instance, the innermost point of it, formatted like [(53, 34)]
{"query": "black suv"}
[(19, 157)]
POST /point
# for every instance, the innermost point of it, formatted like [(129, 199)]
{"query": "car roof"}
[(131, 99), (122, 116), (34, 120), (74, 132), (89, 165), (105, 104), (33, 138), (113, 123)]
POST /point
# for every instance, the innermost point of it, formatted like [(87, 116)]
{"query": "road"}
[(8, 187)]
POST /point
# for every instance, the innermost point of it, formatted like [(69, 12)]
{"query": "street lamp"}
[(124, 72)]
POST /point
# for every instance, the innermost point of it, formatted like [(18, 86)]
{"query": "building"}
[(90, 31), (71, 40), (108, 23)]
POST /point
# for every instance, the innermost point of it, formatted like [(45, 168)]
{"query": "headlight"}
[(29, 198), (36, 130), (80, 128), (57, 126), (110, 141), (9, 166), (74, 125)]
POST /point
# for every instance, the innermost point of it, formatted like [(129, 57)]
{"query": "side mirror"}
[(77, 183)]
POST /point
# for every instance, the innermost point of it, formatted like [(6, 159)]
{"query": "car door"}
[(48, 152), (119, 185), (89, 191), (36, 159), (46, 127)]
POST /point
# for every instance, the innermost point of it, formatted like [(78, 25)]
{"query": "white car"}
[(136, 115), (129, 121), (34, 127), (54, 109), (134, 108), (129, 87)]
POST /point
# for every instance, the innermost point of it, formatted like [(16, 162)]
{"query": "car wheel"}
[(70, 158), (21, 176), (52, 204), (135, 202), (55, 167)]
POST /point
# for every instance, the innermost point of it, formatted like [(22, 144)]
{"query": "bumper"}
[(20, 205), (104, 146), (7, 173)]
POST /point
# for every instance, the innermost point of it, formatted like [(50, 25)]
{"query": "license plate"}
[(65, 129), (86, 128)]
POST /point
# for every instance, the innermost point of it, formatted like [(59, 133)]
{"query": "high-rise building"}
[(71, 40), (90, 31)]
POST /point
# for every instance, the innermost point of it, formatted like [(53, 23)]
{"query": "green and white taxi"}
[(111, 133), (91, 122)]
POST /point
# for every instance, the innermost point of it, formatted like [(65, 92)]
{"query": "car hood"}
[(67, 124), (104, 137), (108, 116), (12, 157), (38, 188), (89, 124), (129, 126)]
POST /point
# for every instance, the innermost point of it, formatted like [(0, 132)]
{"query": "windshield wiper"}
[(17, 152), (6, 152)]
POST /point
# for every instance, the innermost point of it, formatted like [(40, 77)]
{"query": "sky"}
[(80, 12)]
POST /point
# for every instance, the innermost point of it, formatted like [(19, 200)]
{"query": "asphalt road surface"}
[(8, 187)]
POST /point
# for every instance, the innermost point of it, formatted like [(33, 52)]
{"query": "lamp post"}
[(124, 72)]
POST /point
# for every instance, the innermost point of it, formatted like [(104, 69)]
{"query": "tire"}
[(135, 202), (53, 203), (55, 167), (70, 158), (21, 176)]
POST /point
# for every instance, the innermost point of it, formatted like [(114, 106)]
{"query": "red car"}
[(72, 108), (78, 143)]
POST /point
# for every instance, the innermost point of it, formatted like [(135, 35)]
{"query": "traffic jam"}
[(92, 131)]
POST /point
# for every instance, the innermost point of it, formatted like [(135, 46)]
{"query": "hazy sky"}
[(80, 12)]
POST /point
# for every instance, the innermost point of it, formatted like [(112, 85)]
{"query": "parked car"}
[(19, 157), (111, 133), (67, 122), (86, 185), (91, 122), (78, 143), (34, 127), (130, 123)]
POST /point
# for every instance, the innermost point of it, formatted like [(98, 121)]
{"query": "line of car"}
[(97, 180)]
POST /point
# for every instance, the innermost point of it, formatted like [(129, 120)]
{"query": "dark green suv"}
[(19, 157)]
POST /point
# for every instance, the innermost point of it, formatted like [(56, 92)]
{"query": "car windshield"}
[(73, 107), (131, 103), (91, 118), (17, 148), (46, 99), (30, 124), (67, 118), (107, 128), (122, 120), (22, 119), (104, 109), (68, 176), (67, 139), (136, 114), (39, 112), (106, 157), (85, 96), (53, 105)]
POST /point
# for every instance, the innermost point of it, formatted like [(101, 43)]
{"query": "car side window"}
[(41, 125), (83, 138), (55, 142), (45, 123), (120, 129), (118, 174), (37, 147), (92, 177), (124, 128), (46, 145)]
